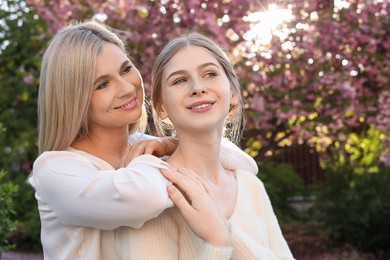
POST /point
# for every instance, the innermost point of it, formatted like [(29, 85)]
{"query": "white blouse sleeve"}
[(233, 158), (79, 194), (137, 137)]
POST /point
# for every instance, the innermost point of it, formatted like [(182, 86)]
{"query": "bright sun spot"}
[(266, 24)]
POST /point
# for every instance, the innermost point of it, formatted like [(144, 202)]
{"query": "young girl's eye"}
[(102, 85), (179, 81), (210, 74)]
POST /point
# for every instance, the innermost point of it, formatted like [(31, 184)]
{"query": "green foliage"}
[(356, 207), (23, 37), (360, 151), (28, 235), (281, 183), (8, 191), (354, 201)]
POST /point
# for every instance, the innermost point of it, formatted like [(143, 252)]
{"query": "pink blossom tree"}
[(322, 73)]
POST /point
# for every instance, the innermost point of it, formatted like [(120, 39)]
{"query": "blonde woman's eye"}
[(127, 69), (102, 85)]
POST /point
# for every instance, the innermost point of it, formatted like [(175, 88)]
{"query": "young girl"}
[(197, 96), (91, 98)]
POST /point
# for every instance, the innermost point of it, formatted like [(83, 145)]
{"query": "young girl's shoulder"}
[(249, 180)]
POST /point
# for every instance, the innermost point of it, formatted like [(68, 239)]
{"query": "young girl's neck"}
[(201, 154)]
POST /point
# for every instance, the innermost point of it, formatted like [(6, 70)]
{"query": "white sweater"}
[(254, 229), (82, 199)]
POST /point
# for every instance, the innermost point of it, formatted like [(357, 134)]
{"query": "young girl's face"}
[(196, 92), (117, 97)]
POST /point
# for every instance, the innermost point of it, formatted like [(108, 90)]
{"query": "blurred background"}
[(316, 80)]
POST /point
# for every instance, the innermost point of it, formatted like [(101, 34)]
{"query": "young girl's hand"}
[(194, 200)]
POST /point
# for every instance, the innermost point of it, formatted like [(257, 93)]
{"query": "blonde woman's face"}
[(196, 92), (118, 96)]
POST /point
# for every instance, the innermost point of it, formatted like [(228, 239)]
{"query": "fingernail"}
[(171, 189)]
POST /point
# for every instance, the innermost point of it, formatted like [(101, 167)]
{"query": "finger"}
[(191, 175), (195, 178), (182, 181), (189, 188), (179, 199), (136, 150), (149, 149)]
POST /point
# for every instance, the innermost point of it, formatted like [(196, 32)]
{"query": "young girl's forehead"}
[(191, 55)]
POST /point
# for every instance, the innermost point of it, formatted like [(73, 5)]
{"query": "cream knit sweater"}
[(255, 232)]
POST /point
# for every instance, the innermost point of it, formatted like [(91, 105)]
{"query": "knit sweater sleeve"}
[(255, 231), (210, 252), (73, 189)]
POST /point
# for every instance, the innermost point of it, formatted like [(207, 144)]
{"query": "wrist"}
[(223, 238)]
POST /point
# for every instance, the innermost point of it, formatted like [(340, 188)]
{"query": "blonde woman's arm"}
[(78, 192), (233, 158)]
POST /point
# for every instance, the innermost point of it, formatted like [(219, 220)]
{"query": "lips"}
[(128, 105), (200, 105)]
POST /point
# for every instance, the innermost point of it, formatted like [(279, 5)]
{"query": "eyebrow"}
[(199, 67), (106, 76)]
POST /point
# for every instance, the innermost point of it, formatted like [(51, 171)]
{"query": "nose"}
[(197, 89), (126, 88)]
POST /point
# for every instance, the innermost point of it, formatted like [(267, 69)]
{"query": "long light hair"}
[(66, 84), (235, 119)]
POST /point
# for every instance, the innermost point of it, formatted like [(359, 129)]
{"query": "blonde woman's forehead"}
[(110, 59)]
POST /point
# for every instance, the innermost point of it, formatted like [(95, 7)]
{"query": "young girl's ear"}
[(162, 112)]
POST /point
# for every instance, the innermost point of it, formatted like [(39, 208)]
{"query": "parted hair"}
[(66, 84), (234, 121)]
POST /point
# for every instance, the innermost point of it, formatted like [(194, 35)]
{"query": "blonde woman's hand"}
[(158, 147), (198, 207)]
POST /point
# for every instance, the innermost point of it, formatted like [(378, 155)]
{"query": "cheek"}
[(93, 109), (168, 101)]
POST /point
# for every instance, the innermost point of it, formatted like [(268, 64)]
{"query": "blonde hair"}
[(66, 84), (234, 121)]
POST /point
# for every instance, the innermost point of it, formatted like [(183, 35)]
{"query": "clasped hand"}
[(158, 147)]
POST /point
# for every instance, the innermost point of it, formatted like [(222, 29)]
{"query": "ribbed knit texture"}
[(255, 232)]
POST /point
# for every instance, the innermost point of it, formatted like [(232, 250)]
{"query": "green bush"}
[(24, 36), (7, 192), (356, 208), (281, 183)]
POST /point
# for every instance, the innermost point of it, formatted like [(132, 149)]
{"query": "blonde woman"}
[(200, 102), (87, 178)]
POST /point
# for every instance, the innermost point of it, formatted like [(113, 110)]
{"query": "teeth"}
[(200, 106), (127, 105)]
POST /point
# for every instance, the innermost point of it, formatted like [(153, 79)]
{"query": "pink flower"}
[(29, 79)]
